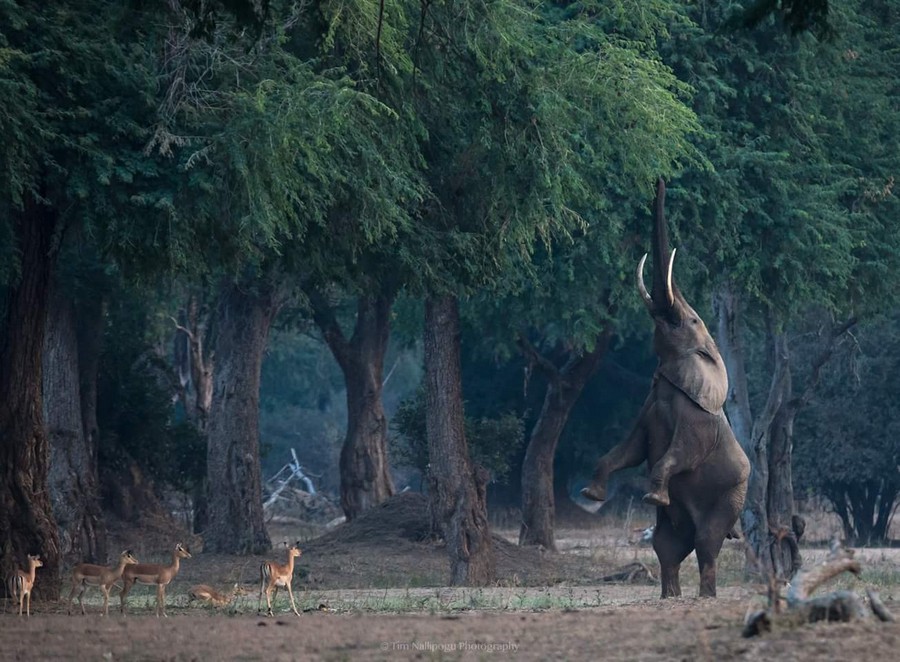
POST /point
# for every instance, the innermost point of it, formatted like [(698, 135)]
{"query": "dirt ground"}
[(372, 591)]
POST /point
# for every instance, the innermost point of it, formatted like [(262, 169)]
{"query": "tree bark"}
[(27, 525), (72, 475), (90, 319), (564, 387), (457, 487), (364, 467), (236, 523), (786, 559), (195, 368), (731, 346), (753, 435)]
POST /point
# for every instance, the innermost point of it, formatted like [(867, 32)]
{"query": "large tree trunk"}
[(90, 321), (457, 487), (27, 525), (564, 387), (236, 523), (365, 471), (72, 476)]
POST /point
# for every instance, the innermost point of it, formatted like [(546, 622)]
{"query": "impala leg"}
[(126, 586), (71, 597), (269, 601), (28, 611), (161, 600), (291, 594), (81, 599)]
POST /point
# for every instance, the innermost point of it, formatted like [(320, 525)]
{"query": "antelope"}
[(153, 574), (87, 574), (208, 594), (272, 575), (20, 583)]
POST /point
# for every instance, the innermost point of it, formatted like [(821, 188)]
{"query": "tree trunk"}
[(564, 387), (195, 367), (236, 523), (90, 321), (365, 471), (73, 488), (731, 346), (457, 487), (786, 559), (27, 525)]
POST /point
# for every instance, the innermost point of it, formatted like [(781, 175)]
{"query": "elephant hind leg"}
[(672, 547), (718, 524)]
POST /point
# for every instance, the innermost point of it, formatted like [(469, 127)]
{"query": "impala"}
[(20, 583), (273, 575), (208, 594), (87, 574), (153, 574)]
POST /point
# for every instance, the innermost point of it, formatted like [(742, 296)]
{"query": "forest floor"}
[(372, 590)]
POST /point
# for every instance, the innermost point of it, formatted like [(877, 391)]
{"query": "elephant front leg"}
[(629, 453), (693, 438)]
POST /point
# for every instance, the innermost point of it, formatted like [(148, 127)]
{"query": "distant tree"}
[(847, 445)]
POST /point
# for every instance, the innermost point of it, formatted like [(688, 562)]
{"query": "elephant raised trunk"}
[(663, 302)]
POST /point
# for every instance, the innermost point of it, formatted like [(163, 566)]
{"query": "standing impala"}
[(272, 575), (153, 574), (87, 574), (20, 583)]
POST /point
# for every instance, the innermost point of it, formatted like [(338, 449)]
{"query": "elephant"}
[(698, 470)]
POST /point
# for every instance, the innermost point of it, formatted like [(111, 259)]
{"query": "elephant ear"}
[(701, 376)]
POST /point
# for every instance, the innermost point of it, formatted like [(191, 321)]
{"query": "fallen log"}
[(633, 573), (838, 606)]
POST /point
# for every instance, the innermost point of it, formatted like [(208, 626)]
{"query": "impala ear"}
[(701, 376)]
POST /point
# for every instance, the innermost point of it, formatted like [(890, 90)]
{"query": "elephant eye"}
[(694, 320)]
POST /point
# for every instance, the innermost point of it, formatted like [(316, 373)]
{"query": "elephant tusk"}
[(639, 279), (670, 295)]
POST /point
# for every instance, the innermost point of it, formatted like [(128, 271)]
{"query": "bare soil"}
[(372, 590)]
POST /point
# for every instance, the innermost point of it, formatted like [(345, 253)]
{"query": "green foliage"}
[(492, 441), (798, 208), (534, 114)]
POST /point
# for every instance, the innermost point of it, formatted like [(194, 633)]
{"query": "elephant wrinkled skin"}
[(698, 471)]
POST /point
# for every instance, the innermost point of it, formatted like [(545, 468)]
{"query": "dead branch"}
[(633, 573), (837, 606)]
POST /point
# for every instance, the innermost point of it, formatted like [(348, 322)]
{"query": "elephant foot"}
[(657, 498), (594, 492)]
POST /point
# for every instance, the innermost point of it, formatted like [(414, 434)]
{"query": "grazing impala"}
[(20, 583), (87, 574), (272, 575), (153, 574), (208, 594)]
